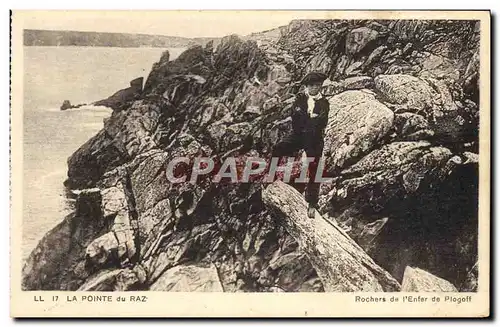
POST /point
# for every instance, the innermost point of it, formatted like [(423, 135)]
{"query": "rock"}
[(216, 131), (136, 84), (120, 98), (152, 220), (438, 67), (114, 200), (395, 169), (208, 114), (356, 123), (66, 105), (118, 245), (342, 64), (471, 78), (299, 35), (358, 39), (320, 63), (418, 280), (271, 104), (256, 96), (105, 280), (137, 125), (412, 127), (117, 280), (471, 157), (408, 47), (350, 83), (358, 82), (354, 68), (406, 90), (54, 263), (236, 134), (332, 88), (473, 65), (128, 134), (279, 74), (374, 56), (450, 125), (409, 30), (165, 57), (471, 281), (446, 99), (102, 249), (222, 114), (339, 262), (196, 78), (370, 231), (251, 112), (377, 26), (188, 279), (276, 132), (401, 68), (292, 271)]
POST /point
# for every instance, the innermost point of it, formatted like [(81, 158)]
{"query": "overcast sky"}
[(186, 24)]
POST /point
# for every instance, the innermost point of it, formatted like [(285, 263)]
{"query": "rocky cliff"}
[(401, 145)]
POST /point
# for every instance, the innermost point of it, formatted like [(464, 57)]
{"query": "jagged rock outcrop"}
[(122, 97), (401, 145)]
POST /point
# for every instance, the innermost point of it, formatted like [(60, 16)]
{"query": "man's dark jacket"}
[(307, 128)]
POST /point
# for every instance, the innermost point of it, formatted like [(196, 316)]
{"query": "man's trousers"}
[(313, 147)]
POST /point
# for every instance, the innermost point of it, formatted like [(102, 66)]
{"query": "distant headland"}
[(104, 39)]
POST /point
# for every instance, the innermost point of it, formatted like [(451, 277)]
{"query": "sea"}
[(50, 136)]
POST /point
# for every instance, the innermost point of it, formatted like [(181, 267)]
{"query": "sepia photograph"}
[(251, 153)]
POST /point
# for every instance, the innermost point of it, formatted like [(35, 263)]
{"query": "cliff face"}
[(401, 144)]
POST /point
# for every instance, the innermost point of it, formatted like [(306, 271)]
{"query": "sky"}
[(172, 23)]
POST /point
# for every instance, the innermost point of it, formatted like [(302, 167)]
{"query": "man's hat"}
[(313, 78)]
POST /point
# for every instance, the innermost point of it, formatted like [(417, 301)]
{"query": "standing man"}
[(309, 119)]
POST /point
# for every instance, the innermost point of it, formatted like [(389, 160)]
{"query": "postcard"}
[(250, 164)]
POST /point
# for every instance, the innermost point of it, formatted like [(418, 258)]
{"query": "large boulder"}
[(418, 280), (340, 263), (357, 122), (394, 169), (413, 93)]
